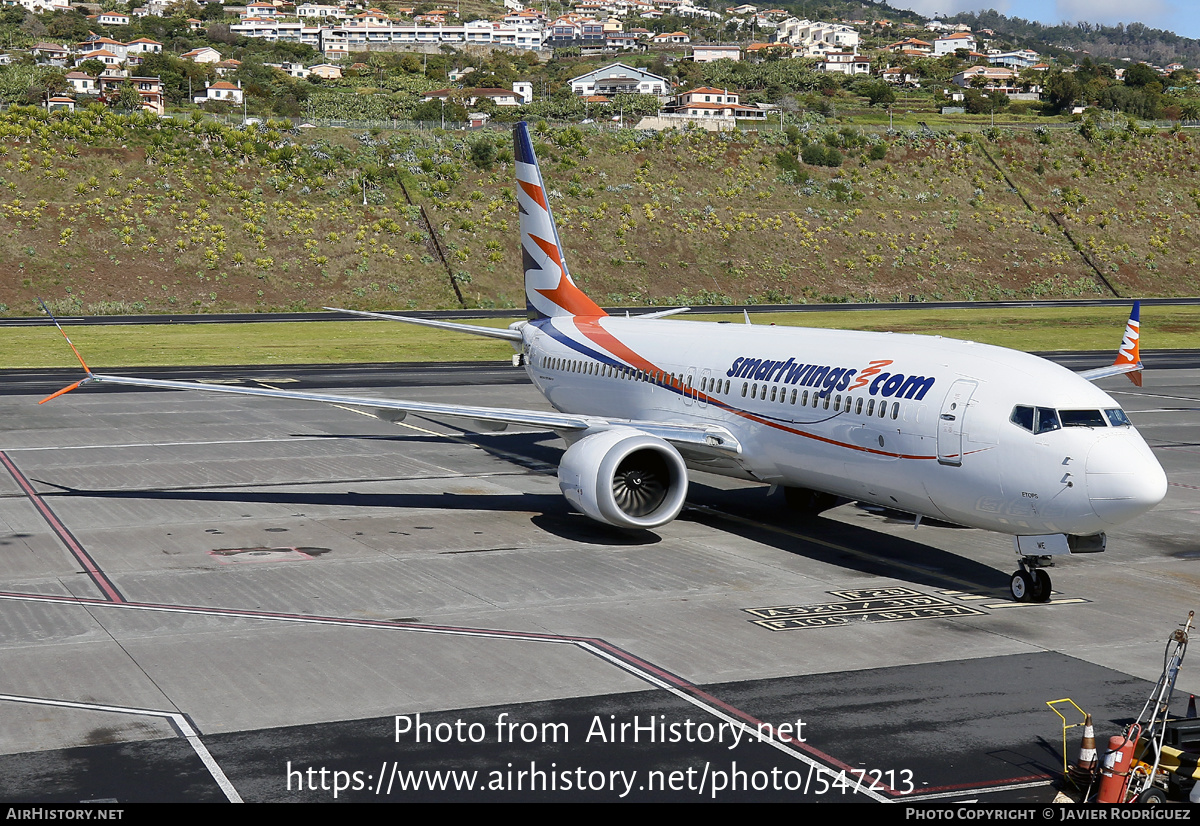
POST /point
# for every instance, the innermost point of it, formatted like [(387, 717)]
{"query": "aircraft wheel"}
[(809, 502), (1021, 586), (1152, 797), (1041, 587)]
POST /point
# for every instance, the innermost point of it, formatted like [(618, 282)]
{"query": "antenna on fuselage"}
[(746, 313)]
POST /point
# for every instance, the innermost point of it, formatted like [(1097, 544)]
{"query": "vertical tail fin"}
[(549, 290)]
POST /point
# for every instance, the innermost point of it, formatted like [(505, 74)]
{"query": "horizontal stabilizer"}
[(469, 329), (663, 313)]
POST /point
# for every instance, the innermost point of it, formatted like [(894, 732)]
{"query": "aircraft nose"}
[(1124, 479)]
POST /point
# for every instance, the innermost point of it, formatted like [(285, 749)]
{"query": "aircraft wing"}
[(1112, 370), (695, 439)]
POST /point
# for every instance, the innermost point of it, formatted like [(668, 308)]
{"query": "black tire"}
[(1041, 587), (809, 502), (1021, 586), (1152, 797)]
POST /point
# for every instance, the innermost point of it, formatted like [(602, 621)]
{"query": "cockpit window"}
[(1117, 418), (1046, 420), (1082, 418), (1022, 416)]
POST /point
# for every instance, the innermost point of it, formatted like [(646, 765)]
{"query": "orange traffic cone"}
[(1082, 771)]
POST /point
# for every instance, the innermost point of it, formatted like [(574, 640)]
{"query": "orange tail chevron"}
[(549, 289), (1130, 351)]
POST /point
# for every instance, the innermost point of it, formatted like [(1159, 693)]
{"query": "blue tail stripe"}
[(549, 329), (523, 144)]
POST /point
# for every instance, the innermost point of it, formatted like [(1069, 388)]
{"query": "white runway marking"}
[(179, 721), (167, 444)]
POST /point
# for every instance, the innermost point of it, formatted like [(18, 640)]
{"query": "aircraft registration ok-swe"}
[(967, 433)]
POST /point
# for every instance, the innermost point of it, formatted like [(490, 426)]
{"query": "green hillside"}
[(107, 213)]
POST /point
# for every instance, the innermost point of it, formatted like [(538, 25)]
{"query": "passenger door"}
[(951, 420)]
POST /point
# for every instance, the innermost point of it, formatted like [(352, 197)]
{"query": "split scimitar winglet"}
[(70, 344)]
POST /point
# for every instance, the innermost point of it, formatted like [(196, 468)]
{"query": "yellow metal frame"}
[(1065, 725)]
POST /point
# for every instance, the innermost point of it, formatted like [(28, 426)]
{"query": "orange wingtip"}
[(67, 389)]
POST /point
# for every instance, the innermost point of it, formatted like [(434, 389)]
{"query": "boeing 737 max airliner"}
[(967, 433)]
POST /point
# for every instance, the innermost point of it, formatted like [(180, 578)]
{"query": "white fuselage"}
[(922, 424)]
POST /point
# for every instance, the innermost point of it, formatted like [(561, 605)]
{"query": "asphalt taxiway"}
[(213, 598)]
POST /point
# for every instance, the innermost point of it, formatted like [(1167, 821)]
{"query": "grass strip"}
[(348, 342)]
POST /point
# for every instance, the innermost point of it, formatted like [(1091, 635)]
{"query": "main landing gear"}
[(1032, 583), (809, 502)]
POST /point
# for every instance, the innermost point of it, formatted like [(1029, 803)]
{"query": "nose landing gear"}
[(1032, 582)]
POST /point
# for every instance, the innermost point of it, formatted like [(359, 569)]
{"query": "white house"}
[(39, 6), (222, 91), (1020, 59), (319, 11), (267, 10), (96, 42), (846, 63), (150, 89), (709, 52), (110, 60), (51, 53), (326, 70), (617, 78), (500, 97), (815, 37), (143, 46), (83, 83), (296, 70), (990, 77), (911, 45), (710, 102), (205, 54), (953, 42)]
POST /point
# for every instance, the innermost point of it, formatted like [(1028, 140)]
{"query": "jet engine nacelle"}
[(624, 477)]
